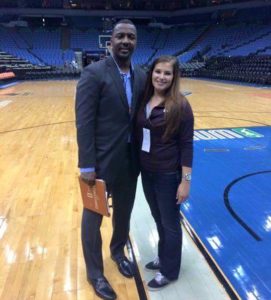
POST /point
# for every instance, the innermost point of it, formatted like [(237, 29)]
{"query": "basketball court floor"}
[(228, 212), (233, 184)]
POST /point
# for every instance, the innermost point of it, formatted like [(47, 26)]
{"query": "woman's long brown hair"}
[(174, 100)]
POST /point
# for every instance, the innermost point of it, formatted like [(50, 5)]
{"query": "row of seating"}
[(211, 43), (252, 69), (34, 74)]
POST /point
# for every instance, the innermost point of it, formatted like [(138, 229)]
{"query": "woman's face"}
[(162, 76)]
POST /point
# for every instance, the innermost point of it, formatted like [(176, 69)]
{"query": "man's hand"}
[(88, 177)]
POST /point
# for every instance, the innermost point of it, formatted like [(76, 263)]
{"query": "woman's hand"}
[(183, 191)]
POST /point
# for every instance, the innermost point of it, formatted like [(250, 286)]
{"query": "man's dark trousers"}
[(123, 190)]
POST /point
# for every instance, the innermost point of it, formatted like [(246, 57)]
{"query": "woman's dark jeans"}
[(160, 191)]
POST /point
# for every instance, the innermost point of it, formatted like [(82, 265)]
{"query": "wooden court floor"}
[(40, 208)]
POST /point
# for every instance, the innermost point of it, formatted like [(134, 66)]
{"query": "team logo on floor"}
[(222, 134)]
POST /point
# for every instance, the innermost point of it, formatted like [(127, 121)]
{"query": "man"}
[(107, 97)]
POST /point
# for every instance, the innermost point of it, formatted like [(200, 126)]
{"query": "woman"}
[(165, 132)]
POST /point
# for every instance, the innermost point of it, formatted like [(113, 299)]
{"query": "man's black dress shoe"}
[(103, 288), (125, 266)]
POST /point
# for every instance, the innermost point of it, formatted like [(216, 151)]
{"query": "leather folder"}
[(95, 197)]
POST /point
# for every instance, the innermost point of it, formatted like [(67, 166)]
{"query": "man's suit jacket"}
[(103, 121)]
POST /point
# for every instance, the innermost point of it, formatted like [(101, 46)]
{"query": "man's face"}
[(123, 41)]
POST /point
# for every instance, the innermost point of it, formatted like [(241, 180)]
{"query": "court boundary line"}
[(239, 83), (231, 210), (37, 126), (236, 112), (233, 127), (137, 275), (207, 128), (220, 117), (222, 278)]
